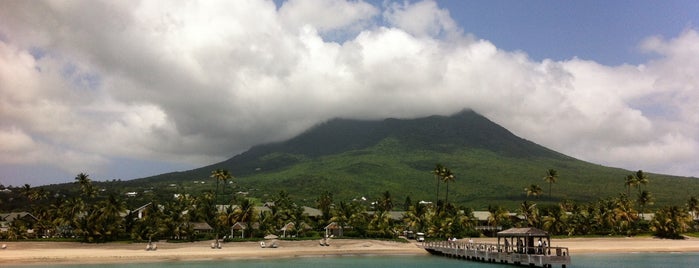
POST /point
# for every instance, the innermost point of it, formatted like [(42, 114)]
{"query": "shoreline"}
[(32, 253)]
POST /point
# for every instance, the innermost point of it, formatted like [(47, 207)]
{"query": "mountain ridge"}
[(355, 158)]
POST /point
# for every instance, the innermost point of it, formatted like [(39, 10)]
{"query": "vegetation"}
[(101, 217)]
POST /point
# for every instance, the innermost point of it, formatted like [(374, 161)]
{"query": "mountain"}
[(363, 158)]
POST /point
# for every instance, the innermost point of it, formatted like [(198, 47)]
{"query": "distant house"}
[(483, 226), (7, 219), (131, 194)]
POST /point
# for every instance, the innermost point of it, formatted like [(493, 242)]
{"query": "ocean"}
[(636, 260)]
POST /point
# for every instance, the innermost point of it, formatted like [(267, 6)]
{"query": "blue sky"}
[(123, 90), (607, 32)]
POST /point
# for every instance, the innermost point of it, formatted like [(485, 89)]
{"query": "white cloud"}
[(198, 82), (326, 15), (422, 19)]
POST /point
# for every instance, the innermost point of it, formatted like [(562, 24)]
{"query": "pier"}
[(518, 246)]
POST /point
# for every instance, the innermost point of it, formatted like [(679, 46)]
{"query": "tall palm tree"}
[(438, 172), (221, 176), (110, 214), (551, 177), (630, 181), (448, 176), (641, 179), (86, 186), (324, 203)]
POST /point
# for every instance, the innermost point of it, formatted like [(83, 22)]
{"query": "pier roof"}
[(530, 231)]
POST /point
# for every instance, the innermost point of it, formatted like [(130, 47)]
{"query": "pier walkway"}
[(522, 252)]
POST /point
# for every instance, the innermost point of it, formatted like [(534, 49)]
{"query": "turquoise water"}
[(584, 260)]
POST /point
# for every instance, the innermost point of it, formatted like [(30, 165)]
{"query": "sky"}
[(128, 89)]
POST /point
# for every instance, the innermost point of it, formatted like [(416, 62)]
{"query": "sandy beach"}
[(73, 253)]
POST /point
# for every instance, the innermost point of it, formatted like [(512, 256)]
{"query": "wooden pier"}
[(523, 251)]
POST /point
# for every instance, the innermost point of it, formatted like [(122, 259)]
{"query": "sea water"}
[(584, 260)]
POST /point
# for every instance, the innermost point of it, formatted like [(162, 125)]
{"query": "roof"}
[(312, 212), (201, 226), (10, 217), (529, 231), (394, 215), (483, 215), (242, 226), (292, 226)]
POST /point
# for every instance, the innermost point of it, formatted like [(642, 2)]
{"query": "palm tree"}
[(448, 176), (385, 202), (551, 177), (693, 206), (221, 176), (245, 212), (644, 199), (624, 214), (641, 179), (415, 217), (381, 223), (86, 186), (342, 214), (109, 215), (534, 190), (324, 203), (555, 221), (498, 216), (671, 222), (630, 181), (438, 172), (530, 213), (26, 191)]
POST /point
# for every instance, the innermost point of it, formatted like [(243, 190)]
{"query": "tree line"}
[(94, 216)]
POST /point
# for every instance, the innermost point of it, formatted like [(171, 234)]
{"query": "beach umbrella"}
[(271, 236)]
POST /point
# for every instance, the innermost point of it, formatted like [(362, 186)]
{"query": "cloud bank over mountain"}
[(92, 85)]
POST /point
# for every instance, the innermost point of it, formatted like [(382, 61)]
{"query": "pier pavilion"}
[(519, 246)]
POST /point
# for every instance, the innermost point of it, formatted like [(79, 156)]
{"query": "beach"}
[(121, 252)]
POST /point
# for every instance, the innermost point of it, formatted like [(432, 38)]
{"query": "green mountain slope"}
[(355, 158)]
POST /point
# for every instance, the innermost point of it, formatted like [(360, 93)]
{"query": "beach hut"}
[(241, 227), (333, 229)]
